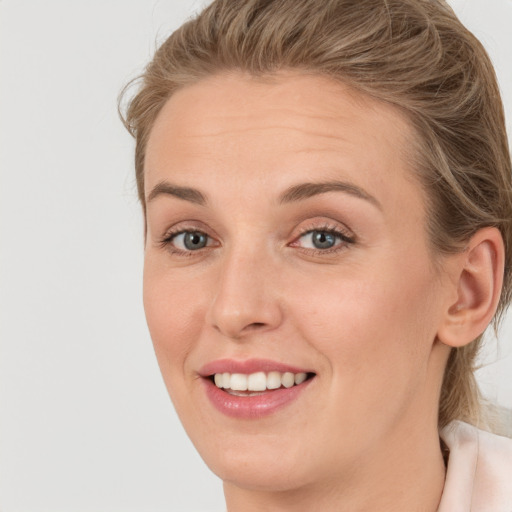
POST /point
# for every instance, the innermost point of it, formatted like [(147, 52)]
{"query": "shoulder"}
[(479, 473)]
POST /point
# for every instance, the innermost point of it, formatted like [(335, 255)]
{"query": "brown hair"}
[(414, 54)]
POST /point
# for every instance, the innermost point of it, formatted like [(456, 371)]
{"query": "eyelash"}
[(166, 241), (335, 231)]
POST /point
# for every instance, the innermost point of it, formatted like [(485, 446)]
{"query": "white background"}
[(85, 422)]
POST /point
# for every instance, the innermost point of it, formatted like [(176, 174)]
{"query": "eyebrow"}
[(186, 193), (307, 190), (295, 193)]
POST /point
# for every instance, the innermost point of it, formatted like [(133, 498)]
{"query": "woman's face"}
[(286, 240)]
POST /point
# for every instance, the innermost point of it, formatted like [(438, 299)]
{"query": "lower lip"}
[(252, 407)]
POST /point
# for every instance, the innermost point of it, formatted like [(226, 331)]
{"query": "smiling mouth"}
[(258, 383)]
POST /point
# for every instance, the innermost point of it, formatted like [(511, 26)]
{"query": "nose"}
[(246, 299)]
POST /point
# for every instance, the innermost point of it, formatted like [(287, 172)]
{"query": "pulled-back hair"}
[(414, 54)]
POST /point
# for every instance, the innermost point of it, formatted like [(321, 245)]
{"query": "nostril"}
[(255, 325)]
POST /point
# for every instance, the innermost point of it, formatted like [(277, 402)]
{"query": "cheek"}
[(173, 317), (375, 331)]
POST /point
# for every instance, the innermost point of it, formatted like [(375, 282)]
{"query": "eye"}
[(322, 239), (189, 240)]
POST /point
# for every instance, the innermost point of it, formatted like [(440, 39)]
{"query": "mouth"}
[(258, 383), (255, 388)]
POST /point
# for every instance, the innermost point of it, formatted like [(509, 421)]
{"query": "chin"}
[(272, 474), (273, 463)]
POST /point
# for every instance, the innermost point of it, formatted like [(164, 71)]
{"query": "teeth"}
[(273, 380), (238, 382), (219, 381), (300, 378), (288, 380), (259, 381)]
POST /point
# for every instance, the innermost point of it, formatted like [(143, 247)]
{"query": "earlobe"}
[(479, 279)]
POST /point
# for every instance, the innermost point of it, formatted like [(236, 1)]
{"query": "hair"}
[(413, 54)]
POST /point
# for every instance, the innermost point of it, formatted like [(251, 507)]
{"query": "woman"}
[(328, 202)]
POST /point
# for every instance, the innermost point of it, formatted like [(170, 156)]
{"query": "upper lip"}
[(248, 366)]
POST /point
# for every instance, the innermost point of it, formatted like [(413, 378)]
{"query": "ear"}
[(478, 277)]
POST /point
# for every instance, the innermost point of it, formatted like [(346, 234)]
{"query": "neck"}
[(406, 474)]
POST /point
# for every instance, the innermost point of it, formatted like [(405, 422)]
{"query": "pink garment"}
[(479, 474)]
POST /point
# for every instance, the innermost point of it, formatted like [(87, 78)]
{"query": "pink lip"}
[(250, 407), (248, 366)]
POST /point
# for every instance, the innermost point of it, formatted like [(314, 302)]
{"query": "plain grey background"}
[(85, 421)]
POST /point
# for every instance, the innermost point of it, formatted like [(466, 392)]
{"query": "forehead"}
[(287, 98), (277, 129)]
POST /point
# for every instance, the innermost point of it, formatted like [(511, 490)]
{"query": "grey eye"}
[(319, 240), (190, 240), (323, 240)]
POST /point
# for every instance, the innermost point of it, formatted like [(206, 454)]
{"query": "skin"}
[(364, 317)]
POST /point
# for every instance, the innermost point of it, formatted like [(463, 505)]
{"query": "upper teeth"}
[(259, 381)]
